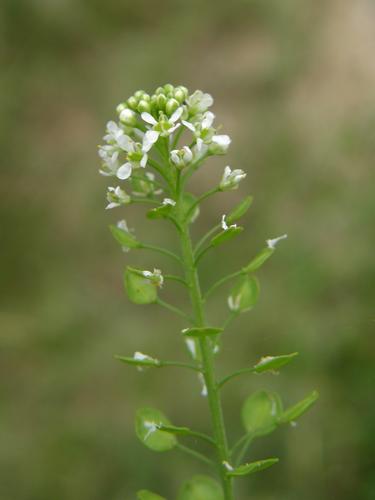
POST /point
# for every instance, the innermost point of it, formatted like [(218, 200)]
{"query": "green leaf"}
[(139, 362), (272, 363), (298, 409), (259, 260), (244, 294), (148, 495), (240, 210), (201, 332), (261, 412), (252, 467), (140, 290), (226, 235), (146, 422), (124, 237), (201, 488), (161, 212)]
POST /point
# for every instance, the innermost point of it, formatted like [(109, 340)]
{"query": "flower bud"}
[(143, 106), (179, 94), (231, 179), (181, 158), (121, 107), (128, 117), (219, 144), (171, 106), (159, 91), (132, 103), (168, 87), (161, 101), (139, 94)]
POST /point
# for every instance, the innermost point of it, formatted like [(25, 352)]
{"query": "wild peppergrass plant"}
[(143, 151)]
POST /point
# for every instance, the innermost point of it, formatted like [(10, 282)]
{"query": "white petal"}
[(125, 143), (176, 115), (148, 118), (221, 140), (125, 171), (143, 161), (227, 172), (112, 205), (273, 242), (149, 140), (199, 144), (189, 125), (208, 119)]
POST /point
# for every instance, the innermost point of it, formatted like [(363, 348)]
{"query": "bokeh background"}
[(293, 82)]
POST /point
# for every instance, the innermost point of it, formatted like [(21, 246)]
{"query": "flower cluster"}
[(148, 125)]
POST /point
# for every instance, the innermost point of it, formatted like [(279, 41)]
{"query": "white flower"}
[(116, 196), (136, 153), (224, 224), (165, 126), (231, 178), (181, 157), (273, 242), (151, 428), (220, 144), (169, 201), (139, 356), (202, 129), (109, 156), (121, 224), (155, 277), (114, 133), (199, 102)]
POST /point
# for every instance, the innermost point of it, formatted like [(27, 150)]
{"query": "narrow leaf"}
[(140, 290), (299, 409), (240, 210), (148, 495), (259, 260), (272, 363), (261, 412), (226, 235), (147, 421), (252, 467), (125, 238), (201, 488), (201, 332)]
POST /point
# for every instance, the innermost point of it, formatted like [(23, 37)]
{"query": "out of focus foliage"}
[(293, 82)]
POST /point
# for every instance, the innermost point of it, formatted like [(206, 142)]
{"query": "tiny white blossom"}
[(114, 132), (224, 224), (165, 126), (231, 178), (273, 242), (181, 158), (199, 102), (169, 201), (139, 356), (155, 277), (121, 224), (220, 144), (116, 197), (109, 156), (234, 302)]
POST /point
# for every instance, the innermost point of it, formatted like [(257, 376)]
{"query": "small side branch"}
[(195, 454), (173, 309), (235, 374), (222, 281), (161, 250)]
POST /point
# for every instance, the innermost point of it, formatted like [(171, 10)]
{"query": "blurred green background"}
[(293, 82)]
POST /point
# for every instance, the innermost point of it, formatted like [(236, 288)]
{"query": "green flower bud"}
[(128, 117), (171, 106), (179, 95), (159, 91), (121, 107), (139, 94), (146, 97), (143, 106), (161, 101), (132, 103), (168, 87)]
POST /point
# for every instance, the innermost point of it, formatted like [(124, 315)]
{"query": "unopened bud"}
[(143, 106), (171, 106), (128, 117)]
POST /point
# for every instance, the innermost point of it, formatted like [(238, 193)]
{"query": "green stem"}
[(203, 240), (236, 374), (200, 199), (208, 369), (164, 251), (194, 454), (172, 277), (221, 282), (173, 309)]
